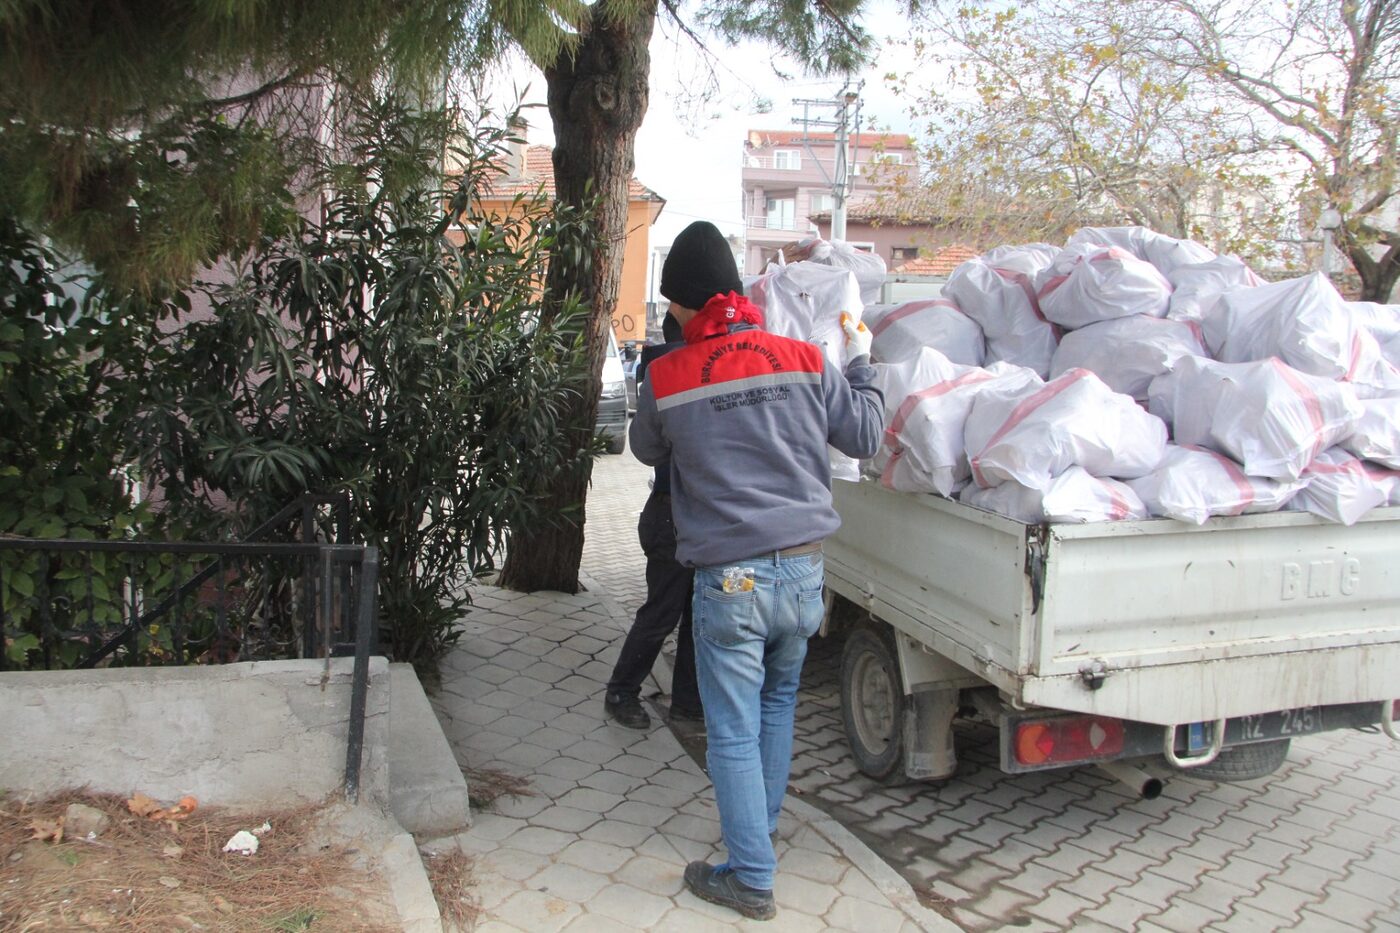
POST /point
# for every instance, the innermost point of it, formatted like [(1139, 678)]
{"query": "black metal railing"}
[(84, 604)]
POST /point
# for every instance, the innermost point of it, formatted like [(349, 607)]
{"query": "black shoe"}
[(680, 714), (719, 886), (626, 711)]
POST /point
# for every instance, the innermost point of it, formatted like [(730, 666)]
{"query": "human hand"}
[(858, 336)]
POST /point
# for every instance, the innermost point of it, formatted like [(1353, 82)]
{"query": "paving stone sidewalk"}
[(614, 814), (1314, 847)]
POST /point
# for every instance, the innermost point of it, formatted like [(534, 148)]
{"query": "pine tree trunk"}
[(597, 98)]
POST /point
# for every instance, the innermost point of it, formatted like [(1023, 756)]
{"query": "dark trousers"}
[(668, 602)]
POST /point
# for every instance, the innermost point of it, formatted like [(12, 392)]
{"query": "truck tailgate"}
[(1187, 623)]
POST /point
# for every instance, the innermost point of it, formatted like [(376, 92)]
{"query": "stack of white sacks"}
[(1127, 375)]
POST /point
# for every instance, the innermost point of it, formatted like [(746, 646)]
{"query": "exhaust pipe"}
[(1139, 781)]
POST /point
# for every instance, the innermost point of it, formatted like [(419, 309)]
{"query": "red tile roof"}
[(539, 170), (794, 137), (942, 262)]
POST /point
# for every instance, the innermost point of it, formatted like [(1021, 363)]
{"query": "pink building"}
[(787, 178)]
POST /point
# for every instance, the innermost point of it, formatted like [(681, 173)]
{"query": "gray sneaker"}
[(719, 886)]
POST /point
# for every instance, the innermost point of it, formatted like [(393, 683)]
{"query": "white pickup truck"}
[(1208, 646)]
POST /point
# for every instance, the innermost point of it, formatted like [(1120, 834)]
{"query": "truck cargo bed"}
[(1157, 620)]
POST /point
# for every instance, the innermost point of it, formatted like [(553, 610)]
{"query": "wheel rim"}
[(873, 709)]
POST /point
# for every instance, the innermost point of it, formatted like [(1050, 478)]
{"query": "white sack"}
[(927, 399), (1341, 488), (1192, 483), (805, 300), (1383, 321), (1306, 323), (1001, 299), (868, 268), (1196, 288), (1267, 416), (1087, 284), (1166, 253), (1025, 258), (1075, 420), (1376, 434), (900, 330), (1074, 496), (1129, 352)]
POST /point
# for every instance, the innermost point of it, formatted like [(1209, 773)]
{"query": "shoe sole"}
[(643, 726), (753, 913)]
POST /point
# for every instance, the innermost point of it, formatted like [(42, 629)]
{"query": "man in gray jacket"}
[(745, 417)]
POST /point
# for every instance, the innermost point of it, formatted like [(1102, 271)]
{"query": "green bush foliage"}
[(389, 351)]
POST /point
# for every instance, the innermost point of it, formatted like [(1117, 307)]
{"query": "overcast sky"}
[(691, 158)]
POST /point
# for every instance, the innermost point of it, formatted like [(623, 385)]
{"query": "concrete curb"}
[(408, 882), (890, 882)]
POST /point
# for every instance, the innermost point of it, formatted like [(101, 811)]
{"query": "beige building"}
[(787, 178)]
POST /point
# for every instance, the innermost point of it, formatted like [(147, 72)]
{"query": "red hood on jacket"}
[(719, 313)]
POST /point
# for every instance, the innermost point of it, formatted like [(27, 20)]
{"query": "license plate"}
[(1284, 724), (1198, 736)]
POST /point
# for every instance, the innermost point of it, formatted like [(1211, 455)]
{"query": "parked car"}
[(612, 401), (631, 356)]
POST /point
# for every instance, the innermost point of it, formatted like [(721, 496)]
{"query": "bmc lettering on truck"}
[(1321, 578)]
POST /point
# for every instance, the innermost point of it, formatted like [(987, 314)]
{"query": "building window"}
[(904, 253), (787, 159), (892, 158), (822, 204), (782, 213)]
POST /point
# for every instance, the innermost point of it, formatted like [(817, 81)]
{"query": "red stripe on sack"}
[(1023, 280), (1196, 332), (742, 355), (1310, 401), (912, 307), (1023, 411), (1355, 356), (1232, 470), (1379, 473), (913, 399), (887, 474), (1333, 469), (1119, 508)]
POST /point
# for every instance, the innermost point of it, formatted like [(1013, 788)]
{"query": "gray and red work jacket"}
[(745, 417)]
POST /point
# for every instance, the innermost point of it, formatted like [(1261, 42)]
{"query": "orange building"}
[(531, 168)]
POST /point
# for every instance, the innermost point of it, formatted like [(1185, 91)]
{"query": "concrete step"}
[(427, 790)]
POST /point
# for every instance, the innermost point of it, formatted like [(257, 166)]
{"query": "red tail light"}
[(1068, 738)]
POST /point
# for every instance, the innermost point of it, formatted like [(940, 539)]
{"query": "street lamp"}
[(1330, 221)]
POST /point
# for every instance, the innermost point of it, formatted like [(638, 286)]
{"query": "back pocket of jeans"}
[(726, 619), (810, 612)]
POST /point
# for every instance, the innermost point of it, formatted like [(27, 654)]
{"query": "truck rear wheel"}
[(1243, 762), (872, 702)]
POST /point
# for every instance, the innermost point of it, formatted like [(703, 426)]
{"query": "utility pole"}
[(847, 105)]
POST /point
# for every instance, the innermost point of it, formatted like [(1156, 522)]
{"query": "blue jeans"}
[(749, 649)]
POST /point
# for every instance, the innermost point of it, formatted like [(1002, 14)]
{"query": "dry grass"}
[(450, 873), (142, 875), (486, 785)]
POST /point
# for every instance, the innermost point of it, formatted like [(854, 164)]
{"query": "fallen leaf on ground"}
[(47, 829), (141, 805), (172, 851)]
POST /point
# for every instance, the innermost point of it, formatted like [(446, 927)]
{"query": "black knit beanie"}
[(699, 266)]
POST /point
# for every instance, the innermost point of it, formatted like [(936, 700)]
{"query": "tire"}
[(617, 443), (1243, 762), (872, 702)]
